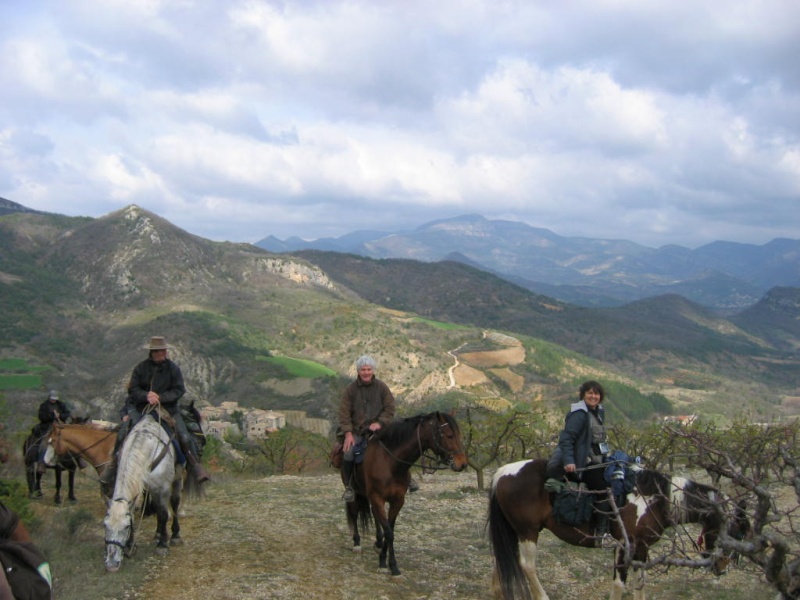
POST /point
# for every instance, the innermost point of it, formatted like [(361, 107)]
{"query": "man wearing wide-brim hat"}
[(155, 381)]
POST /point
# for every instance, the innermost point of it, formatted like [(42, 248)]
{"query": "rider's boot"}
[(601, 528), (347, 475)]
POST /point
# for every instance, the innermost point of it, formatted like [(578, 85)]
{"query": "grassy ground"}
[(286, 537)]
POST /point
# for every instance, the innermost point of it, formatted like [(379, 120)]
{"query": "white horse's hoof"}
[(357, 549)]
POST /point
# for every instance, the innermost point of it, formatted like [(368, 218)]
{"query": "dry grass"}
[(286, 537)]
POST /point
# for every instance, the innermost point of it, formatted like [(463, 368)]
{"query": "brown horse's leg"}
[(527, 560), (351, 511), (394, 510), (71, 480)]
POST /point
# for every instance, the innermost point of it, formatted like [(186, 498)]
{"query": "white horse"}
[(147, 471)]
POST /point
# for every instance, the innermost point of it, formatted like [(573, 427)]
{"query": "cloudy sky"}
[(654, 121)]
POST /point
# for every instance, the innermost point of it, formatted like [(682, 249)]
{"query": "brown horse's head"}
[(447, 442)]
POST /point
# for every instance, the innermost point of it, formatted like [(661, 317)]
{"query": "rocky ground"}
[(286, 537)]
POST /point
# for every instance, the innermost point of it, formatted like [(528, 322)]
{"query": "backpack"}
[(27, 571), (620, 476), (573, 504)]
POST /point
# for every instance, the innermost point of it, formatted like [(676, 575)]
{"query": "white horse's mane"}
[(144, 443)]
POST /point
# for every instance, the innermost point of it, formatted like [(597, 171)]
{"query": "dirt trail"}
[(286, 538)]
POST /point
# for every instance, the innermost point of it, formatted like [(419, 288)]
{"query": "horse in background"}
[(383, 476), (148, 474), (32, 452), (88, 443), (520, 507)]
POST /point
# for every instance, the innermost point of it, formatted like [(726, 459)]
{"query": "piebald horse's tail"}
[(505, 548)]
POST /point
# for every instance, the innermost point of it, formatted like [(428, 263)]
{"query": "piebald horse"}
[(520, 507)]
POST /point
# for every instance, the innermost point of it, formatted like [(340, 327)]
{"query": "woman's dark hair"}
[(592, 385)]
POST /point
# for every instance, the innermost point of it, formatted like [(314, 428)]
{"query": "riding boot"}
[(601, 528), (347, 475)]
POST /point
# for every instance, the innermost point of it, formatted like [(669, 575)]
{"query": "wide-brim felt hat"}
[(157, 342)]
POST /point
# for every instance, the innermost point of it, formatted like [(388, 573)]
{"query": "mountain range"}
[(725, 276), (81, 296)]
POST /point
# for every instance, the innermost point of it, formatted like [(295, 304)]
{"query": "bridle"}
[(81, 452), (442, 455)]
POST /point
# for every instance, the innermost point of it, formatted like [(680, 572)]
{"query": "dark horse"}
[(33, 450), (382, 478), (520, 507)]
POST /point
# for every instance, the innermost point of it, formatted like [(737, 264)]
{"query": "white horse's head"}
[(119, 523)]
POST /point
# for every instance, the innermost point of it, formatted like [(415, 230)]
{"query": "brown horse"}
[(80, 442), (383, 476), (32, 452), (520, 507)]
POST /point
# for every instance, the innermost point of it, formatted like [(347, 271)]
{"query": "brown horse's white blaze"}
[(520, 507)]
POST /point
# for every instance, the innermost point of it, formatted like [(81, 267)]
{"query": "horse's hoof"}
[(162, 550), (357, 549), (57, 500), (396, 573), (73, 500), (36, 495), (176, 541)]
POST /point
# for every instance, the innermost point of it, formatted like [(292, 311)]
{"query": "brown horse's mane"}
[(398, 432)]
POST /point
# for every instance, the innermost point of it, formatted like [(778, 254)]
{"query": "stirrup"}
[(605, 541), (349, 495)]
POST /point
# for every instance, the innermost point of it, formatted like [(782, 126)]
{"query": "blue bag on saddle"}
[(618, 476)]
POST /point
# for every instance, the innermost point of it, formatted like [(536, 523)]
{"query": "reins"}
[(438, 459)]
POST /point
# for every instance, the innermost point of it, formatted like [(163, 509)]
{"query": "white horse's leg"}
[(527, 560)]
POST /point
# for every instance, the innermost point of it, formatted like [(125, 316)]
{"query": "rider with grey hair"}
[(367, 405)]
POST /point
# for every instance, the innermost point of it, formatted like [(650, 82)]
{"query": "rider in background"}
[(50, 411), (582, 450), (367, 405)]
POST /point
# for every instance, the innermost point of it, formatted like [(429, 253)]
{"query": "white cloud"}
[(657, 122)]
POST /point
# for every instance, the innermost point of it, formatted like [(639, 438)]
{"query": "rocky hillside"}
[(81, 297)]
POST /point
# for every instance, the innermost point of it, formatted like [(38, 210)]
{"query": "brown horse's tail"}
[(364, 512), (505, 548)]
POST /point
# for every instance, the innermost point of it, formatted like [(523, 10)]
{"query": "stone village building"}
[(258, 423)]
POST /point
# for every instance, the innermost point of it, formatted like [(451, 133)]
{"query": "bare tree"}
[(760, 466)]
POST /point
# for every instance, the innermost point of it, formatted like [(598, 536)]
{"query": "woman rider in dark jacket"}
[(582, 449)]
